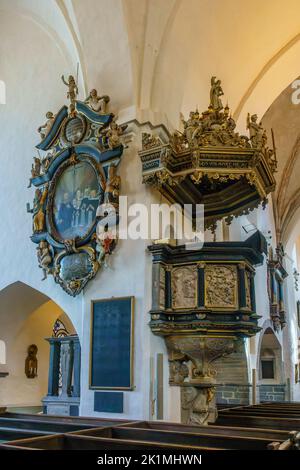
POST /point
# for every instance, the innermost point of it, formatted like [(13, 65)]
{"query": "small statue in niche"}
[(44, 257), (45, 128), (31, 363), (38, 209), (97, 103), (256, 130), (72, 90)]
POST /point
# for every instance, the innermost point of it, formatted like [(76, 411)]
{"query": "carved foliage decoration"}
[(162, 287), (220, 286), (184, 287), (208, 161), (77, 189), (247, 289)]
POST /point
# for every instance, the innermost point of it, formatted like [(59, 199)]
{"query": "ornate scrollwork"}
[(150, 141), (210, 154), (77, 186)]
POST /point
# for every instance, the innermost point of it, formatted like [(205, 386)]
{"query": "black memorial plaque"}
[(112, 344)]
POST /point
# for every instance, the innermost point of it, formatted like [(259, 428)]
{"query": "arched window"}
[(59, 329), (2, 92)]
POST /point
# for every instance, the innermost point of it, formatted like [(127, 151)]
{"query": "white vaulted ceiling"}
[(155, 59)]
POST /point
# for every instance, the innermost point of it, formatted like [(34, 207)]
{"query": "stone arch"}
[(26, 317), (270, 365)]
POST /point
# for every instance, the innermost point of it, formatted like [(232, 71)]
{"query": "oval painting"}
[(76, 199)]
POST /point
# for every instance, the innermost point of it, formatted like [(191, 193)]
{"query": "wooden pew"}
[(254, 421), (37, 425), (81, 420), (75, 442), (11, 434), (240, 427), (261, 412), (199, 437), (212, 429)]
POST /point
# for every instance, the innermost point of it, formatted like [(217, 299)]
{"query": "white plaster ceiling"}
[(155, 57)]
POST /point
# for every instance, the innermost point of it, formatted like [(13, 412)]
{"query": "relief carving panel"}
[(220, 286), (184, 287)]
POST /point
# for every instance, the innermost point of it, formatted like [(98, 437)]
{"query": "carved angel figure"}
[(45, 128), (105, 241), (72, 88), (113, 134), (44, 257), (97, 103)]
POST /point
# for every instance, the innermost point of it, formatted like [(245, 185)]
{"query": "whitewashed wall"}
[(31, 63)]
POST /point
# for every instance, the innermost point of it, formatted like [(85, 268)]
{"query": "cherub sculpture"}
[(45, 128), (72, 90), (97, 103), (44, 257), (113, 134)]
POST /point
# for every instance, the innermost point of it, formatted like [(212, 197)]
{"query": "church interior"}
[(150, 225)]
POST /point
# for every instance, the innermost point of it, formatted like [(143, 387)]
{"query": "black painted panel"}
[(110, 402), (111, 349)]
